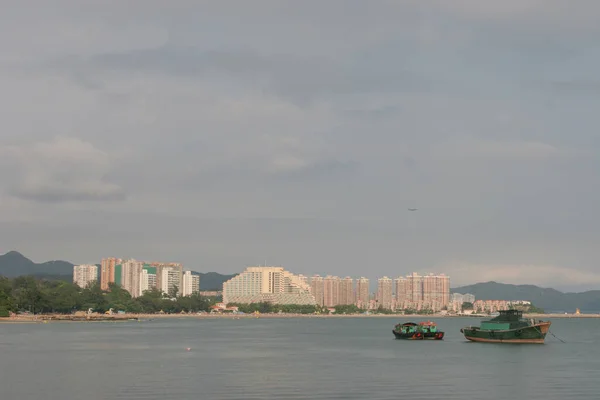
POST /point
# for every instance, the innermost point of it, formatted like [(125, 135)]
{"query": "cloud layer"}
[(65, 169), (301, 132)]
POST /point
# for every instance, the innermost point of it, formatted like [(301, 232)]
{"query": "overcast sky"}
[(227, 134)]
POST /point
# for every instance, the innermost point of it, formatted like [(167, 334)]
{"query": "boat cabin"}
[(508, 315), (411, 327), (507, 319), (428, 327)]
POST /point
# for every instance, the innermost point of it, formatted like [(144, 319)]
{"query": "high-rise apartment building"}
[(436, 290), (400, 284), (107, 271), (346, 291), (128, 275), (418, 292), (362, 293), (317, 289), (175, 276), (190, 284), (85, 274), (267, 284), (331, 291), (414, 287), (303, 278), (195, 284), (171, 279), (148, 280), (384, 293)]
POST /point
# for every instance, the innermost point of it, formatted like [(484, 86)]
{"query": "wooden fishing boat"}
[(421, 331), (508, 327)]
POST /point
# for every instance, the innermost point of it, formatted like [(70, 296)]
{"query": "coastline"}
[(46, 318)]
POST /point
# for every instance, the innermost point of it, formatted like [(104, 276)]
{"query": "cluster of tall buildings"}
[(331, 291), (139, 276), (277, 285), (419, 292)]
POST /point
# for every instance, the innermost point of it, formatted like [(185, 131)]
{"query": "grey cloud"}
[(551, 16), (219, 124), (65, 169), (294, 77), (53, 194), (589, 87), (314, 170)]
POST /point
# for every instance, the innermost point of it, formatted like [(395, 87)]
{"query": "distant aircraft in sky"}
[(412, 209)]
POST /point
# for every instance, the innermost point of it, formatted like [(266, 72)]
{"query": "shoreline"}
[(47, 318)]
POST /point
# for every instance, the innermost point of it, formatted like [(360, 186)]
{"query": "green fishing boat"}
[(421, 331), (508, 327)]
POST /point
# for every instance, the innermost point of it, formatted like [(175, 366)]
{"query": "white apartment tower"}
[(131, 274), (190, 284), (85, 274), (170, 280), (147, 281)]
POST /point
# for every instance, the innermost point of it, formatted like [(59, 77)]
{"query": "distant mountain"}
[(212, 280), (14, 264), (551, 300)]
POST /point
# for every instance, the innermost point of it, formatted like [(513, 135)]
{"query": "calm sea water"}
[(350, 358)]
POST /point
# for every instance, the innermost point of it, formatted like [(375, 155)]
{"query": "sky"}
[(229, 134)]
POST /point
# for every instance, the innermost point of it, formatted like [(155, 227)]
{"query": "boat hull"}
[(419, 335), (530, 334)]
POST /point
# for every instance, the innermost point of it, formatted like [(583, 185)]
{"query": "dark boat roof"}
[(424, 323)]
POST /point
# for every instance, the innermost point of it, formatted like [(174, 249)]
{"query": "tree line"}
[(269, 308), (26, 293)]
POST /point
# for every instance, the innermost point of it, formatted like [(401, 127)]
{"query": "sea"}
[(290, 358)]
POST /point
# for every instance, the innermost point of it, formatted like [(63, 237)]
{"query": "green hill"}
[(14, 264), (549, 299), (212, 280)]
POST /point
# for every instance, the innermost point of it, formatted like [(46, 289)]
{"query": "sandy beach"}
[(45, 318)]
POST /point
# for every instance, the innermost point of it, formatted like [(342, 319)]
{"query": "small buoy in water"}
[(189, 349)]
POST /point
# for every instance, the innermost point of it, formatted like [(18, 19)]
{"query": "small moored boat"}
[(508, 327), (421, 331)]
